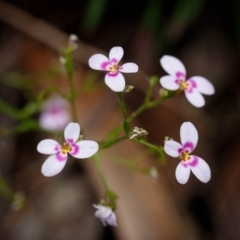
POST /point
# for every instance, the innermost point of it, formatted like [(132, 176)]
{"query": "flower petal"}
[(182, 172), (84, 149), (200, 169), (111, 220), (172, 148), (189, 136), (56, 121), (48, 146), (115, 81), (203, 85), (169, 82), (102, 211), (71, 132), (129, 68), (172, 65), (52, 166), (97, 60), (116, 54), (195, 98), (106, 215)]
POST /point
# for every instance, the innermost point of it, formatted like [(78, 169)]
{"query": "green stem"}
[(110, 143), (110, 196), (122, 107), (147, 144), (96, 160)]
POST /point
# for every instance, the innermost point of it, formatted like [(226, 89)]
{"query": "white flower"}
[(55, 115), (177, 79), (58, 158), (189, 139), (106, 215), (114, 78)]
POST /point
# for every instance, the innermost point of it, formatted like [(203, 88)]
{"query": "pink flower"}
[(59, 153), (55, 115), (114, 78), (106, 215), (193, 87), (189, 139)]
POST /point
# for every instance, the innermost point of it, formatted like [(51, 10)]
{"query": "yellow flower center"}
[(114, 68), (183, 85), (184, 155), (66, 147)]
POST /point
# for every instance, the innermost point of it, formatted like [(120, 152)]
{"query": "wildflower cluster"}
[(55, 116)]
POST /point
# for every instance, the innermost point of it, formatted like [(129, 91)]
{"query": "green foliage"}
[(94, 13)]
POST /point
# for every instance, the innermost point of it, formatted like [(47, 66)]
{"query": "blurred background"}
[(204, 35)]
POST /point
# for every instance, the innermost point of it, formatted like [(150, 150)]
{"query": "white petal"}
[(115, 81), (71, 132), (96, 61), (169, 82), (172, 65), (111, 220), (203, 85), (54, 121), (200, 169), (52, 166), (102, 211), (116, 53), (182, 172), (172, 148), (48, 146), (195, 98), (129, 68), (189, 135), (86, 149)]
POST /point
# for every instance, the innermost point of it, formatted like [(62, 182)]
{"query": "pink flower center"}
[(66, 147), (184, 155)]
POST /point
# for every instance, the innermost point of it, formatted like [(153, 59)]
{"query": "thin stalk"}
[(107, 145), (96, 160), (122, 107), (110, 196)]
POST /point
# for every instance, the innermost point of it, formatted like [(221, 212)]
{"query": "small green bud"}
[(154, 80), (163, 93), (128, 88)]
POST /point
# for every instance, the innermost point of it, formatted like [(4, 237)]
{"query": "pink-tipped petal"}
[(182, 172), (203, 85), (129, 68), (116, 54), (172, 65), (48, 146), (169, 82), (116, 82), (52, 166), (172, 148), (86, 149), (71, 132), (195, 98), (201, 169), (189, 135), (97, 61)]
